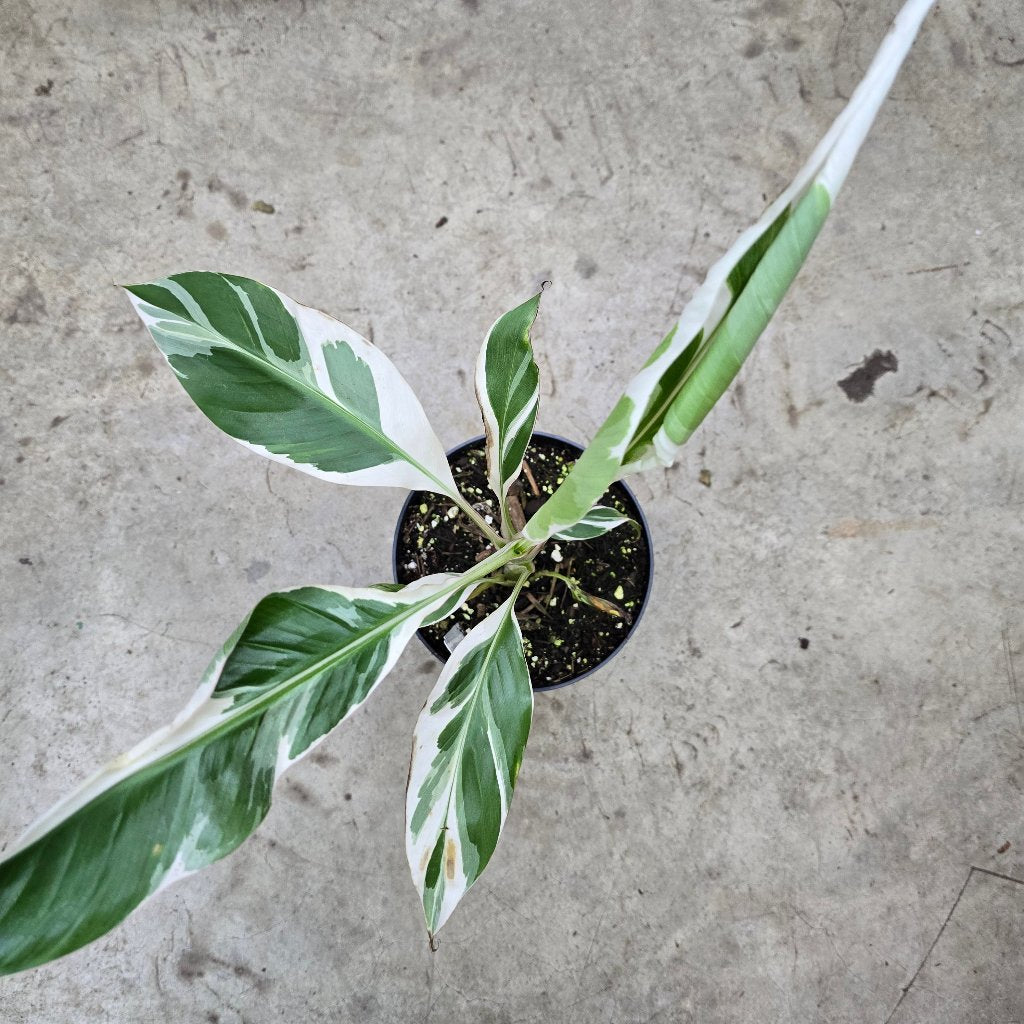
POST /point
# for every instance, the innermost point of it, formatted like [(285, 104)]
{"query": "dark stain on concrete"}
[(256, 570), (239, 200), (556, 133), (191, 965), (194, 963), (300, 792), (145, 366), (860, 384), (28, 305), (186, 194)]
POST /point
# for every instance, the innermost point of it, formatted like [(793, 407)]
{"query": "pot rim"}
[(641, 519)]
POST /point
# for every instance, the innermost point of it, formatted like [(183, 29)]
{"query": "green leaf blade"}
[(665, 402), (190, 794), (507, 389), (292, 383), (596, 523), (467, 750), (737, 278), (714, 369)]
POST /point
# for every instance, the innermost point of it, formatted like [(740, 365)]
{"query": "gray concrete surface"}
[(721, 826)]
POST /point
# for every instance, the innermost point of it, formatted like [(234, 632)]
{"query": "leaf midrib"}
[(250, 708), (235, 717), (469, 709)]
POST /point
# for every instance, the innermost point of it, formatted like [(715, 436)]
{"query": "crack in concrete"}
[(952, 910)]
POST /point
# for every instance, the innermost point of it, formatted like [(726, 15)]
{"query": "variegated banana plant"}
[(303, 389)]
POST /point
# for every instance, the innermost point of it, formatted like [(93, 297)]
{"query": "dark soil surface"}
[(563, 638)]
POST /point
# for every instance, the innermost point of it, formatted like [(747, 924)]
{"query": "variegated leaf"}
[(507, 390), (689, 371), (467, 750), (189, 794), (292, 383), (596, 523)]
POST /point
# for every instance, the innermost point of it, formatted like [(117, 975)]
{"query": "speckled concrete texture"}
[(796, 795)]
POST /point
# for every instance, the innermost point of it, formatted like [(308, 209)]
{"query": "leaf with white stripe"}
[(508, 391), (467, 749), (188, 795), (690, 370), (291, 382), (596, 523)]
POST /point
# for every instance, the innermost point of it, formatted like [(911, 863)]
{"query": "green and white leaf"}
[(596, 523), (188, 795), (291, 382), (467, 749), (690, 370), (507, 388)]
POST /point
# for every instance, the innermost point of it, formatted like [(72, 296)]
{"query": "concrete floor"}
[(723, 825)]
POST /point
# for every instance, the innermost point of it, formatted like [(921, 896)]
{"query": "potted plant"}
[(301, 388), (589, 586)]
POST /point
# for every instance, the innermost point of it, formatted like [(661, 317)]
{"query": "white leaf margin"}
[(426, 746), (828, 165), (206, 710), (596, 523), (402, 417), (496, 441)]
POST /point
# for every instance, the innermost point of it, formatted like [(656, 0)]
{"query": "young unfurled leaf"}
[(689, 371), (467, 750), (291, 382), (189, 794), (507, 390), (596, 523)]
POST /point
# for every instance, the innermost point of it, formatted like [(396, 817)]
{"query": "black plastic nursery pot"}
[(565, 640)]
